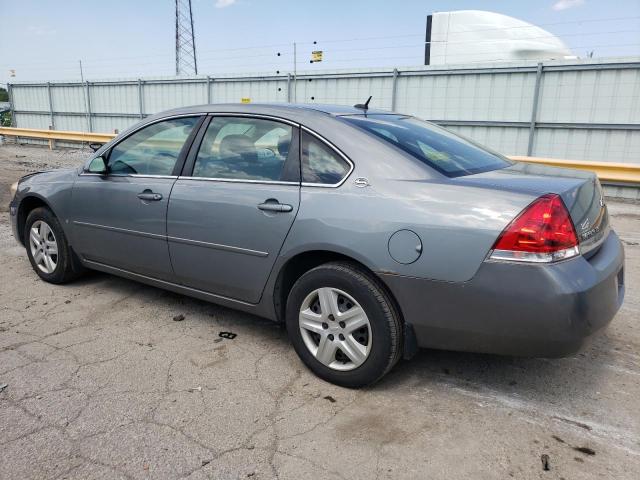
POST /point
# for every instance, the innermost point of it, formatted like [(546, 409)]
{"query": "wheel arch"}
[(302, 262), (27, 205)]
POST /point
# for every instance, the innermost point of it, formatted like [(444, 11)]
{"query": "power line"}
[(382, 37)]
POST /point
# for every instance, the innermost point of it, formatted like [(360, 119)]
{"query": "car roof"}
[(293, 111)]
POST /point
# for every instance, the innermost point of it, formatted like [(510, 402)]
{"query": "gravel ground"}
[(103, 383)]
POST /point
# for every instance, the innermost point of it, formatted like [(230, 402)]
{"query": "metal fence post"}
[(208, 89), (51, 116), (534, 109), (394, 89), (52, 123), (89, 119), (140, 100), (288, 88), (12, 107)]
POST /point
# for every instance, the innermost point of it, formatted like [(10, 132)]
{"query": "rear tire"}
[(47, 247), (343, 325)]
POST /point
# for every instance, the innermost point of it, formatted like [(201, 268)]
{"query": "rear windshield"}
[(448, 153)]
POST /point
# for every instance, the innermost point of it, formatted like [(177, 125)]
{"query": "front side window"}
[(244, 149), (154, 150), (321, 164), (442, 150)]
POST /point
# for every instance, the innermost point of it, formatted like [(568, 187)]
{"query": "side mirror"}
[(98, 165), (95, 146)]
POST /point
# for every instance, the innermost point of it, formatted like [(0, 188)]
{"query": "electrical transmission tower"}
[(186, 63)]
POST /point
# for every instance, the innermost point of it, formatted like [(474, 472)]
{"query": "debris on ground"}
[(330, 398), (178, 318), (196, 389), (585, 450), (229, 335), (545, 462), (3, 386)]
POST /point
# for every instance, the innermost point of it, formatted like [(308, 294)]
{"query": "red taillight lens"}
[(543, 229)]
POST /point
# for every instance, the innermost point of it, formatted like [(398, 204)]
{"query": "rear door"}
[(230, 212), (119, 219)]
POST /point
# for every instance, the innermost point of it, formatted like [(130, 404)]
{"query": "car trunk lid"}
[(580, 191)]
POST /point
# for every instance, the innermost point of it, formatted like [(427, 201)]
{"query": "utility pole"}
[(87, 100), (295, 72), (186, 62)]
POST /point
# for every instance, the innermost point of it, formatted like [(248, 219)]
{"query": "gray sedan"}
[(368, 233)]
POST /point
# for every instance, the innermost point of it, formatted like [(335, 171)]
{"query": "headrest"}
[(237, 145)]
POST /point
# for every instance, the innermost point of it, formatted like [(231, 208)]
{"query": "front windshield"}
[(442, 150)]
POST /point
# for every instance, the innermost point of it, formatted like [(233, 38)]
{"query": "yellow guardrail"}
[(57, 135), (606, 171)]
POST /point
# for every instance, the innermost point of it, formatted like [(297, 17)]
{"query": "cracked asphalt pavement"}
[(102, 382)]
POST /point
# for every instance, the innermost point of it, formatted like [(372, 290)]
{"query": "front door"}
[(229, 216), (119, 218)]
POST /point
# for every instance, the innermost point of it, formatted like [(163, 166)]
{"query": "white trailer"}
[(475, 36)]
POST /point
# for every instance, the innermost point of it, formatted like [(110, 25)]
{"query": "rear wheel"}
[(343, 325), (47, 247)]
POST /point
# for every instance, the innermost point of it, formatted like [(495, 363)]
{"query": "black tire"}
[(385, 322), (67, 266)]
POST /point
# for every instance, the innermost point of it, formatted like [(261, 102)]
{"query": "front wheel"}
[(343, 325), (47, 247)]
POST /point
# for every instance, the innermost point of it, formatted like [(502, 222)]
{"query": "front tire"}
[(343, 325), (47, 247)]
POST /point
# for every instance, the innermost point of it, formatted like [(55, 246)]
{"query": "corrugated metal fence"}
[(586, 110)]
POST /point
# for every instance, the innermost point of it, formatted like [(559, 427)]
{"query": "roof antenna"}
[(365, 105)]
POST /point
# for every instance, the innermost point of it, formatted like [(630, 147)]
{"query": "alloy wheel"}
[(335, 329), (44, 247)]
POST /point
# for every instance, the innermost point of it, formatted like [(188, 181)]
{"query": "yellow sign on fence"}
[(316, 56), (245, 100)]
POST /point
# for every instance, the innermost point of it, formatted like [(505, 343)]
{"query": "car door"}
[(230, 213), (119, 218)]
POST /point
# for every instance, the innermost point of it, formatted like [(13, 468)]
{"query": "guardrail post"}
[(394, 89), (89, 119), (51, 140), (208, 89), (140, 100), (534, 109)]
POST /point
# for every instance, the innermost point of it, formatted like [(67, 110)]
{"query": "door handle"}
[(271, 206), (149, 196)]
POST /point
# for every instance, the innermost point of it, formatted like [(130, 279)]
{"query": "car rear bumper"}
[(517, 309)]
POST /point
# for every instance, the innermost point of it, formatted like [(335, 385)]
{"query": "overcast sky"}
[(43, 40)]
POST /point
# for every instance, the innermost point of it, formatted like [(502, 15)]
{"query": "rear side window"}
[(321, 164), (244, 149), (153, 150), (442, 150)]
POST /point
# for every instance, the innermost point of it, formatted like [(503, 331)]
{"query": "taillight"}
[(543, 232)]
